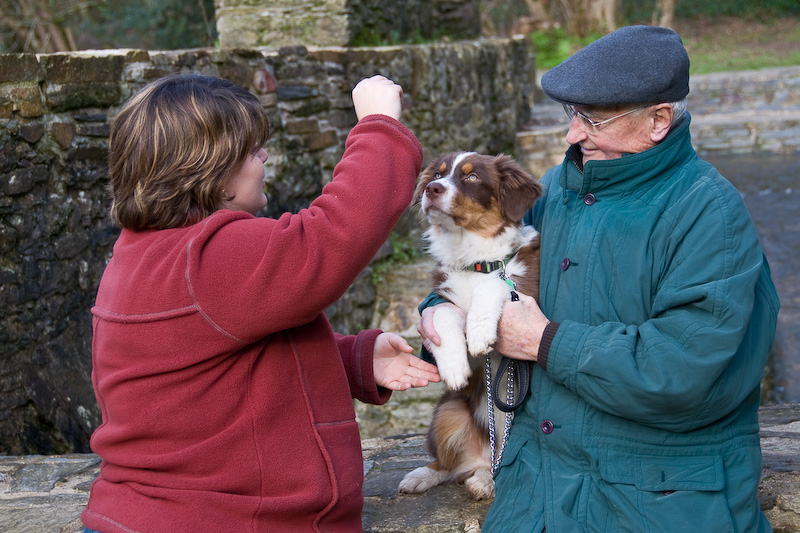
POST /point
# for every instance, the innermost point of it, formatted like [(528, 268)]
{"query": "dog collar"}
[(487, 267), (499, 266)]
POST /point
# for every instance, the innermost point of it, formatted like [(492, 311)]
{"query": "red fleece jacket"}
[(226, 397)]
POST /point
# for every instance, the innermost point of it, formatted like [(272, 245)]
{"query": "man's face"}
[(630, 131)]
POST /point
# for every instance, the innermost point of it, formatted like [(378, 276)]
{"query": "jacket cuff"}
[(432, 299), (362, 384), (544, 346)]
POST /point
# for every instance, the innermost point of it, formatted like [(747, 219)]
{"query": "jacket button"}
[(547, 427), (565, 263), (589, 199)]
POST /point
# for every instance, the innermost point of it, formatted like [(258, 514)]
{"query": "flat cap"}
[(633, 65)]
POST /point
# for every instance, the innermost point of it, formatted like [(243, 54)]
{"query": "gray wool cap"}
[(633, 65)]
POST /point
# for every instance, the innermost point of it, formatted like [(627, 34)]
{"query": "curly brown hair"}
[(173, 147)]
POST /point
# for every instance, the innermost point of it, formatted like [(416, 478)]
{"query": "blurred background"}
[(719, 34)]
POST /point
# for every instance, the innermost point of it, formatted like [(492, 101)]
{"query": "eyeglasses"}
[(572, 113)]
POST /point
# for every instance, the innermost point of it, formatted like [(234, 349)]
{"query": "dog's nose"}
[(434, 189)]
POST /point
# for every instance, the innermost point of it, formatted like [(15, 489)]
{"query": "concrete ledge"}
[(48, 493)]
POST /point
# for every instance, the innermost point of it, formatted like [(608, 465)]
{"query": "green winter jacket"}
[(643, 413)]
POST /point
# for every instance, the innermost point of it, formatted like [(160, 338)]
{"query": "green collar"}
[(487, 267)]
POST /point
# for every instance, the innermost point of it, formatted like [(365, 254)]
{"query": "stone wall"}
[(248, 23), (55, 237)]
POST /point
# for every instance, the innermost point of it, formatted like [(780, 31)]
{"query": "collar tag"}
[(510, 282)]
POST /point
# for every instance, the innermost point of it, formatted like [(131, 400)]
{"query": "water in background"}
[(770, 186)]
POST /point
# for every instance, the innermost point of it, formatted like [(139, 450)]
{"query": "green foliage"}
[(152, 24), (368, 37), (722, 62), (714, 50), (641, 11), (749, 45), (736, 8), (554, 46), (405, 250)]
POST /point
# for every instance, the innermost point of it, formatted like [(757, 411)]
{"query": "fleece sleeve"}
[(357, 352), (255, 276)]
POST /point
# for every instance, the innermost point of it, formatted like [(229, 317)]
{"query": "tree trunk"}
[(664, 14), (582, 17)]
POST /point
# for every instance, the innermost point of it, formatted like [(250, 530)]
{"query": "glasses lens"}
[(583, 119)]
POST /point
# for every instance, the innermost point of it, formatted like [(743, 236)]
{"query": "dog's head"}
[(479, 193)]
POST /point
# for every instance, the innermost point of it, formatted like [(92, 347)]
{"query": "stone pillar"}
[(277, 23), (327, 23)]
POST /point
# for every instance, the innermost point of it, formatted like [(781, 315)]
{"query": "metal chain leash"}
[(498, 458)]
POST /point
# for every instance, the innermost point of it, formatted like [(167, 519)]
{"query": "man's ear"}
[(662, 122)]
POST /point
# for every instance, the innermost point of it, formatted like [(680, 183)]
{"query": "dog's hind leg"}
[(460, 446), (480, 485), (423, 478)]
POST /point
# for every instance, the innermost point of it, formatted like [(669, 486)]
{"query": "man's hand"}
[(425, 327), (520, 330)]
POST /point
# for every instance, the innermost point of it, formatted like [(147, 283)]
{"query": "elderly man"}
[(657, 315)]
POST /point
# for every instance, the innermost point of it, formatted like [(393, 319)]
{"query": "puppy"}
[(474, 204)]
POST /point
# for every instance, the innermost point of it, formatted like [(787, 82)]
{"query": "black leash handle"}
[(522, 369)]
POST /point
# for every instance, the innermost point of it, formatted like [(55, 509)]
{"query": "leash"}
[(514, 370)]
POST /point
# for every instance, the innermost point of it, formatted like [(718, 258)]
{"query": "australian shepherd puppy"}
[(474, 204)]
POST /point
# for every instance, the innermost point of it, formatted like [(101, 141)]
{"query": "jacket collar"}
[(631, 170)]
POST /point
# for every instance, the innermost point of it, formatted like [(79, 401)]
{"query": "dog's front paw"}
[(420, 480), (451, 354), (480, 485), (481, 335), (454, 371)]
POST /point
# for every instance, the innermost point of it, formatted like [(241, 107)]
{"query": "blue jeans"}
[(87, 530)]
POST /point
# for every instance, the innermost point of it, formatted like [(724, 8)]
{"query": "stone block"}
[(91, 151), (268, 100), (19, 67), (71, 68), (94, 130), (22, 180), (296, 92), (31, 132), (302, 126), (64, 133), (69, 96), (319, 141), (24, 100), (237, 72), (311, 107)]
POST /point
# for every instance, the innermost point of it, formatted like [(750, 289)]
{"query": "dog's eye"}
[(472, 177), (437, 176)]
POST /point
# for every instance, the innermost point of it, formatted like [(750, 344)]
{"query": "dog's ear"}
[(518, 189)]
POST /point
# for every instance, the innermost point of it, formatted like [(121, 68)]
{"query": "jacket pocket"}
[(511, 451), (664, 493), (516, 487)]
